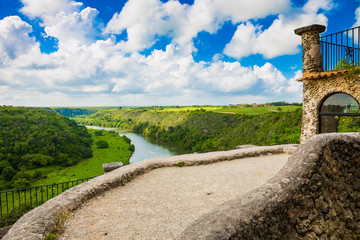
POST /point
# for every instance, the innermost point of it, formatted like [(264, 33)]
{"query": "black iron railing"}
[(17, 202), (340, 47)]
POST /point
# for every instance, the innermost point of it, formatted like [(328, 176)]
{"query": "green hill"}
[(37, 137)]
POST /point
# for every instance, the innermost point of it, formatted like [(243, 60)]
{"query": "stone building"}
[(331, 83)]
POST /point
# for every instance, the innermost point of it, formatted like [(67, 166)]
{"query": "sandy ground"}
[(163, 202)]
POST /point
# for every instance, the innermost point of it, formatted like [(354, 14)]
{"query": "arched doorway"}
[(339, 112)]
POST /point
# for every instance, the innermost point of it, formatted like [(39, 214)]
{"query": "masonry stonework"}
[(318, 85)]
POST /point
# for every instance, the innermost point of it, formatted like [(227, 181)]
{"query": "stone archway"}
[(336, 110)]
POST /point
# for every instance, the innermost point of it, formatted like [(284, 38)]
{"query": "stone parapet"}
[(315, 196)]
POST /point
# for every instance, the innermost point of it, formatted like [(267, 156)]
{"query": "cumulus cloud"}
[(15, 39), (144, 20), (279, 39), (243, 10), (66, 20), (357, 17)]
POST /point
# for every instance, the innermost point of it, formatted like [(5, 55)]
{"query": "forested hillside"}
[(37, 137), (76, 112), (204, 131)]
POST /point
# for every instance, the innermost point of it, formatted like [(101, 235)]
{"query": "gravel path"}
[(163, 202)]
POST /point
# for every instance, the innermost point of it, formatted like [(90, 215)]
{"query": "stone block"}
[(108, 167)]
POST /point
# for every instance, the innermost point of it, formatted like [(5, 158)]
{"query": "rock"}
[(108, 167)]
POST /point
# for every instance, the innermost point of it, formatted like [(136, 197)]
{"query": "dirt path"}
[(163, 202)]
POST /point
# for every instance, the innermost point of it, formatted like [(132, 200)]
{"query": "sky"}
[(158, 52)]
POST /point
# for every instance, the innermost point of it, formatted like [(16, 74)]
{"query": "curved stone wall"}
[(315, 196), (37, 223)]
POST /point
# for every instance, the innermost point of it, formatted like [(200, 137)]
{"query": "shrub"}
[(8, 173), (180, 164), (21, 183), (126, 139), (38, 174), (102, 144), (132, 147)]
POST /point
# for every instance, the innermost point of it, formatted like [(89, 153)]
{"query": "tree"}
[(8, 173)]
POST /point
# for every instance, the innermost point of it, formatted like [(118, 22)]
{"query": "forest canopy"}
[(37, 137)]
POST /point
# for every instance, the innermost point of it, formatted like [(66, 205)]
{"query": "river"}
[(146, 147)]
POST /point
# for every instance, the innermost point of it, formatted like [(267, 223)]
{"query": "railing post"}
[(310, 36)]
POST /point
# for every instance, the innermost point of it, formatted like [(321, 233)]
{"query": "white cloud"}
[(272, 79), (65, 20), (293, 85), (92, 88), (15, 39), (357, 17), (279, 39), (226, 77), (243, 10), (144, 20), (43, 8)]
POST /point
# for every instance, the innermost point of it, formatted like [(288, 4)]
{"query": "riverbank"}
[(163, 202), (146, 147)]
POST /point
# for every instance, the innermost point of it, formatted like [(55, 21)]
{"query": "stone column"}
[(310, 36)]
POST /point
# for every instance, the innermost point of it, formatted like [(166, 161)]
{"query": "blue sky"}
[(152, 52)]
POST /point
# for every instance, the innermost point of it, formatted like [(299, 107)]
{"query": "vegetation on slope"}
[(201, 130), (119, 149), (34, 137)]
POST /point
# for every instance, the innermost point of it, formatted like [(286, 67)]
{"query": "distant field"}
[(229, 110), (118, 151)]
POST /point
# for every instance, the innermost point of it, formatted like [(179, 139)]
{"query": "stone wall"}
[(37, 223), (316, 88), (315, 196)]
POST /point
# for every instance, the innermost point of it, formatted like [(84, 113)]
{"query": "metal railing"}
[(17, 202), (339, 46)]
